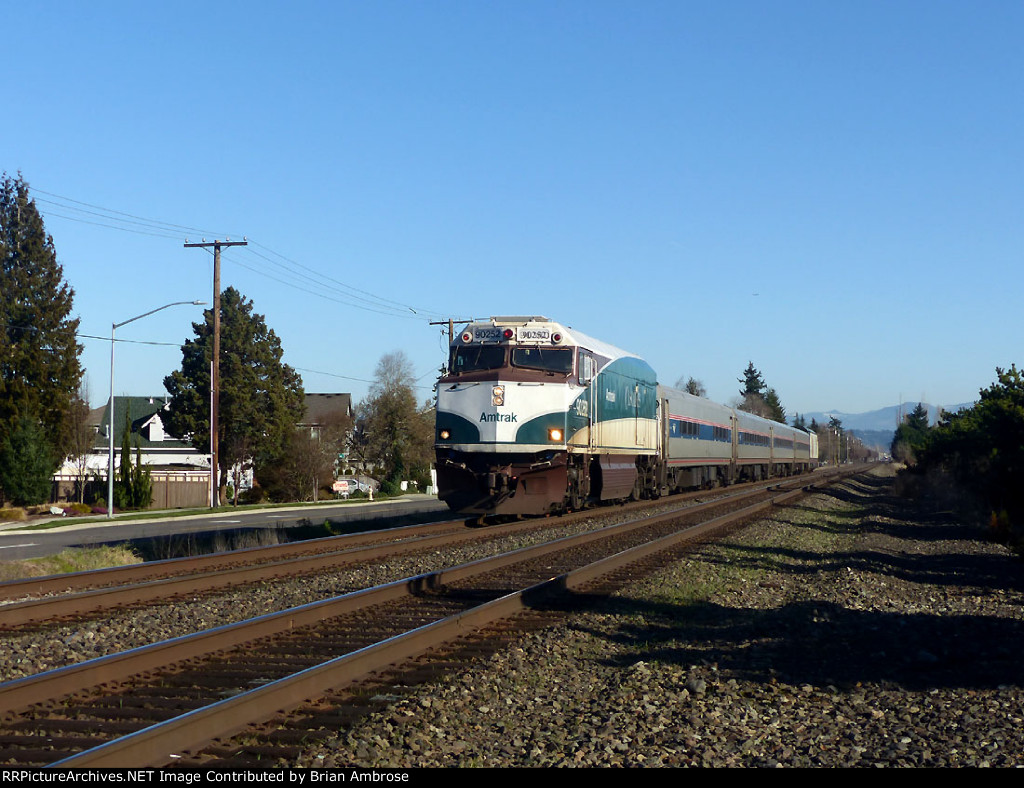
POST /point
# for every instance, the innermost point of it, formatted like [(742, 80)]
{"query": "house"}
[(159, 449), (180, 472), (322, 408)]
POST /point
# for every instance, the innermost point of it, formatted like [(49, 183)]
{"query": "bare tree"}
[(80, 438), (392, 432), (754, 403)]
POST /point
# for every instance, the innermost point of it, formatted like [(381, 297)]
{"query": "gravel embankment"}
[(850, 630)]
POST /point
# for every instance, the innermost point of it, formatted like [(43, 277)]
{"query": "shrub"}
[(254, 494)]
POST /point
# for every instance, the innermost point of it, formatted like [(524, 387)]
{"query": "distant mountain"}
[(883, 419), (876, 427)]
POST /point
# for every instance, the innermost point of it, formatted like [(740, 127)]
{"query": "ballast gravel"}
[(25, 653), (852, 629)]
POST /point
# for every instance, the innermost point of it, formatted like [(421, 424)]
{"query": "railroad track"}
[(35, 602), (147, 705)]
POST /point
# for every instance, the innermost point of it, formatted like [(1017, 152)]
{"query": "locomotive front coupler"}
[(500, 482)]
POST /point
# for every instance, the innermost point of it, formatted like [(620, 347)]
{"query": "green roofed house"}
[(180, 472)]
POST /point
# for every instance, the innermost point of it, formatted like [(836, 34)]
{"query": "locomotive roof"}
[(572, 336)]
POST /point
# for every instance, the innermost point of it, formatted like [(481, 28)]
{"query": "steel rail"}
[(158, 744), (36, 610), (115, 668), (146, 572), (223, 572), (76, 582)]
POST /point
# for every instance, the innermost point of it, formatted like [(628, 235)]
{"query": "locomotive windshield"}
[(476, 358), (547, 359)]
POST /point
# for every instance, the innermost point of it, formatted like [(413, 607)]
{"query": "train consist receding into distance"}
[(536, 417)]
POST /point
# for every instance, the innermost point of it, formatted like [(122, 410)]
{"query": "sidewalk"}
[(363, 509)]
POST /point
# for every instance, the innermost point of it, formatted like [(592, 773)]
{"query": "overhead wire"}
[(111, 226), (79, 335), (313, 281), (302, 278), (140, 219), (368, 307), (345, 285)]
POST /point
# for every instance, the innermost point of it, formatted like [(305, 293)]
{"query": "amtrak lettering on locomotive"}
[(534, 417)]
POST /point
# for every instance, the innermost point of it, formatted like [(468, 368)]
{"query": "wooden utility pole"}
[(215, 367), (450, 322)]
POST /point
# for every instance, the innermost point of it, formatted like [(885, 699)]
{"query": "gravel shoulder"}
[(853, 629)]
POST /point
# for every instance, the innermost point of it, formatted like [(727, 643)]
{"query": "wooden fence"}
[(171, 489)]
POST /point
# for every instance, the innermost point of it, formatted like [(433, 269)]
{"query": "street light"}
[(110, 422)]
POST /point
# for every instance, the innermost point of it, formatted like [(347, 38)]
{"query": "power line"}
[(140, 219), (111, 226), (357, 380), (93, 336), (130, 341), (345, 285), (322, 295), (346, 293)]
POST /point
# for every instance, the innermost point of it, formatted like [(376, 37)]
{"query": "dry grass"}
[(73, 560)]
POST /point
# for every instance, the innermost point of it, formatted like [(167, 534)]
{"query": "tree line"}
[(835, 444), (43, 407), (979, 449)]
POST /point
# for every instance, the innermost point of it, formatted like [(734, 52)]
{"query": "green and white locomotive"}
[(533, 417)]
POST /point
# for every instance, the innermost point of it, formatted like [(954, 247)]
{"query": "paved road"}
[(17, 543)]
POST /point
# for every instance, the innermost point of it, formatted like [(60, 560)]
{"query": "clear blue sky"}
[(832, 190)]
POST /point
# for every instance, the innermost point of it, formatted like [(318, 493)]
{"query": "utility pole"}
[(215, 368), (450, 322)]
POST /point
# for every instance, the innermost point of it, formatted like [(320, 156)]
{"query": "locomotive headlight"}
[(555, 434), (445, 435)]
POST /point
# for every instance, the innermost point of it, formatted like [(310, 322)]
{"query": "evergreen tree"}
[(755, 396), (261, 398), (26, 464), (134, 486), (911, 436), (692, 386), (983, 448), (123, 485), (775, 410), (142, 482), (40, 370), (752, 381)]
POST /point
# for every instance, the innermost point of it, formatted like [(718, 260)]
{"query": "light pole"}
[(110, 421)]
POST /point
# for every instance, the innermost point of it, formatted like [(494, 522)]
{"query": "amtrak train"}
[(536, 417)]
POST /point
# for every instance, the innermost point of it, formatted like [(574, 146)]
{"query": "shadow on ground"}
[(824, 642)]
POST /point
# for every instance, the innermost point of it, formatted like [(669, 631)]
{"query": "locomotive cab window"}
[(586, 367), (476, 358), (554, 360)]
